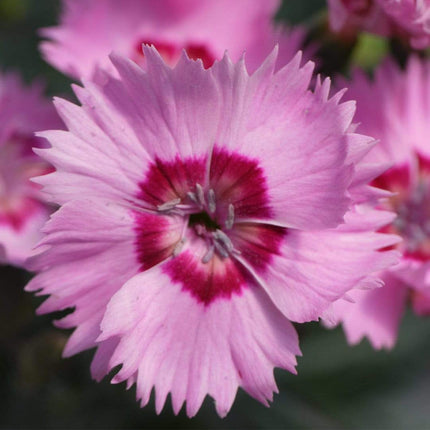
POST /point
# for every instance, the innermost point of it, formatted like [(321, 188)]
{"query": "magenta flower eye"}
[(203, 210), (221, 222)]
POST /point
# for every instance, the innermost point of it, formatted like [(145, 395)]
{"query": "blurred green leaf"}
[(13, 10), (369, 51)]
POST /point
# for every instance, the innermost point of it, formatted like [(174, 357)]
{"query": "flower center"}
[(207, 225), (413, 220), (411, 203), (203, 221)]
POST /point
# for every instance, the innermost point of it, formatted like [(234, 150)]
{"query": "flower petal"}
[(180, 346), (313, 269), (85, 260), (297, 137), (18, 244), (375, 314)]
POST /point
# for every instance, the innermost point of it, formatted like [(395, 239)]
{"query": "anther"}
[(178, 248), (221, 249), (168, 205), (212, 203), (209, 254), (192, 196), (200, 194), (230, 217), (223, 239)]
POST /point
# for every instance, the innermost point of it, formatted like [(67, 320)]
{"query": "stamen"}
[(230, 217), (220, 249), (223, 239), (212, 203), (192, 196), (200, 195), (209, 254), (178, 247), (168, 205)]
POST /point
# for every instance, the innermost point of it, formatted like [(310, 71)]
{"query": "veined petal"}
[(79, 168), (86, 259), (298, 141), (313, 269), (198, 349), (172, 116)]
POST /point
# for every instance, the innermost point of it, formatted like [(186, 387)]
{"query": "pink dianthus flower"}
[(354, 15), (202, 211), (22, 210), (90, 30), (395, 108), (409, 19)]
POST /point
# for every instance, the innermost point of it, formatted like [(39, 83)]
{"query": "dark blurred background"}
[(338, 387)]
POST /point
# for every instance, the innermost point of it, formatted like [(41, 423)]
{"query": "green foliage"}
[(369, 51)]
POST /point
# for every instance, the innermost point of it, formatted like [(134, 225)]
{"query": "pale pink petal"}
[(199, 350), (313, 129), (19, 244), (186, 125), (414, 273), (100, 363), (375, 314), (303, 285), (98, 252)]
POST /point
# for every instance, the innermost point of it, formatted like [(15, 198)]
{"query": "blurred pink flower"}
[(395, 108), (90, 30), (409, 19), (202, 210), (354, 15), (22, 212)]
